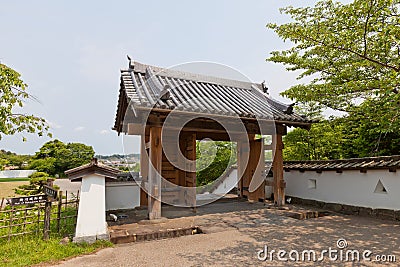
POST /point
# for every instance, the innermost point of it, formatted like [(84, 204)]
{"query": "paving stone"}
[(365, 211), (397, 215), (333, 206), (385, 214)]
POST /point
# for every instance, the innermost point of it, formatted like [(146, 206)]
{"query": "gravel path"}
[(233, 238)]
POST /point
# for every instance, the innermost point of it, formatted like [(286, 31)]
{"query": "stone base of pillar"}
[(91, 239)]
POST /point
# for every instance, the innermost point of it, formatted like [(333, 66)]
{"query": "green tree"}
[(8, 158), (364, 136), (44, 165), (36, 182), (50, 149), (3, 163), (212, 158), (323, 141), (351, 54), (72, 155), (352, 136), (136, 168), (55, 157), (12, 97)]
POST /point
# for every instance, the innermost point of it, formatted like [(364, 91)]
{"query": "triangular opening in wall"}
[(380, 188)]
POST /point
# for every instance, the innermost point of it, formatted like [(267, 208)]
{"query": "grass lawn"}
[(7, 188), (30, 250)]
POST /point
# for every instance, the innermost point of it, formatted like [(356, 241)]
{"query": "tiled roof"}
[(383, 162), (93, 167), (163, 89)]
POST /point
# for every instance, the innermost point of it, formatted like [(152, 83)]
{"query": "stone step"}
[(127, 236)]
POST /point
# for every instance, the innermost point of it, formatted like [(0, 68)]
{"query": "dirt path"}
[(7, 188), (234, 238)]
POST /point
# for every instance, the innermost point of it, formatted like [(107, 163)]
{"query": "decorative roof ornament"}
[(264, 87), (165, 94), (131, 62), (289, 109)]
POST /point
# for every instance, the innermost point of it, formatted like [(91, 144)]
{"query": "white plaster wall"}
[(122, 195), (228, 184), (16, 173), (91, 214), (350, 187)]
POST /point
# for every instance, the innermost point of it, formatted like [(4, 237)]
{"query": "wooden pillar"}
[(256, 171), (155, 154), (187, 177), (277, 168), (240, 167), (244, 174), (191, 154), (144, 170)]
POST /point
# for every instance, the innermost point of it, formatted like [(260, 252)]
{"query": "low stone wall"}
[(16, 173), (385, 214)]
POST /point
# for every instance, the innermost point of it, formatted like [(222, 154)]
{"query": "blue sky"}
[(70, 54)]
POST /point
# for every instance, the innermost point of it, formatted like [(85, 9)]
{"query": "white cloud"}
[(79, 128), (104, 132), (54, 125)]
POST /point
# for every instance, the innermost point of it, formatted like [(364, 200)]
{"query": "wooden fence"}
[(57, 217)]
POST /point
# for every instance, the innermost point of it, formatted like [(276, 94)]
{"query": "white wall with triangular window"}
[(380, 188), (377, 189)]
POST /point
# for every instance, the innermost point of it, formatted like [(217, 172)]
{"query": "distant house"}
[(8, 168)]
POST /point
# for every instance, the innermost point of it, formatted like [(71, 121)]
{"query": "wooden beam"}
[(134, 129), (213, 136), (268, 147), (155, 153), (208, 126), (144, 171), (201, 124), (277, 167), (165, 112)]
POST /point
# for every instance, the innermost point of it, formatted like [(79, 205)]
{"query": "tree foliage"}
[(353, 136), (212, 159), (36, 182), (12, 97), (55, 157), (364, 136), (351, 56), (44, 165), (323, 141), (8, 158)]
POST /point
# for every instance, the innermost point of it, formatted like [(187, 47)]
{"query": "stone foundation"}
[(384, 214), (90, 239)]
